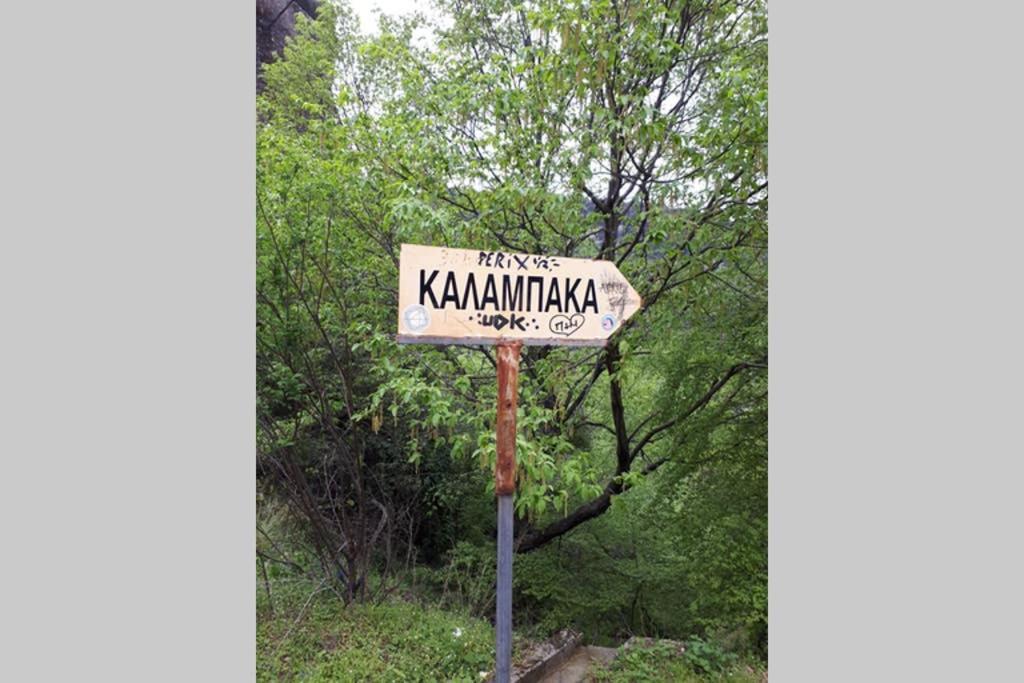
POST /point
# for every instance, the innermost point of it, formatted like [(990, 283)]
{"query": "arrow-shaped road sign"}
[(464, 296)]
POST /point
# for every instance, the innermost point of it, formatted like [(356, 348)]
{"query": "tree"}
[(629, 131)]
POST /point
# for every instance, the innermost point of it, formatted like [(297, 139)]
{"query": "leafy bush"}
[(700, 662), (469, 579), (707, 657)]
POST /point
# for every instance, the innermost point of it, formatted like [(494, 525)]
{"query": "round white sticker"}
[(416, 317)]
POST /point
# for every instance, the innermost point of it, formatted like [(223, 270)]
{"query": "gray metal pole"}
[(503, 618)]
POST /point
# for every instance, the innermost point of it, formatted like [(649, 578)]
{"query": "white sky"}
[(365, 10)]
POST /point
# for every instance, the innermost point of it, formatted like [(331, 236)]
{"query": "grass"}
[(398, 641), (313, 637)]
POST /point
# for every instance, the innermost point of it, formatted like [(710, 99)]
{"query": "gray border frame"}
[(895, 337), (126, 284), (127, 276)]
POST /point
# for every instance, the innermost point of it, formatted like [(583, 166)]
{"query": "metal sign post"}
[(464, 296), (504, 487)]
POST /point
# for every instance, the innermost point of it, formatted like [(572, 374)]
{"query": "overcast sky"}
[(365, 10)]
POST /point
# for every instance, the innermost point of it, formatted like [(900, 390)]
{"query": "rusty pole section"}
[(508, 390), (505, 486)]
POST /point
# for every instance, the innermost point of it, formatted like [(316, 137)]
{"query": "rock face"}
[(275, 21), (677, 646)]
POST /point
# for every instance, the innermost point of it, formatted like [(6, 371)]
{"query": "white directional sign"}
[(465, 296)]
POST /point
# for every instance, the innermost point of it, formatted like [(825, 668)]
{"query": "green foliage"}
[(699, 662), (632, 131), (399, 642), (465, 145), (468, 579), (706, 657)]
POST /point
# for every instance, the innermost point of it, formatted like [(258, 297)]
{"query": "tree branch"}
[(624, 458)]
